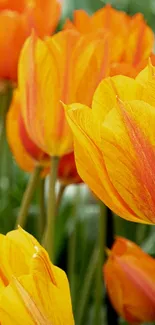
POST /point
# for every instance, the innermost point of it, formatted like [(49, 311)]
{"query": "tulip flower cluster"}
[(82, 110), (58, 69), (130, 40)]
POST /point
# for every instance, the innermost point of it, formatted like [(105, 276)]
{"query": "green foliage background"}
[(77, 222)]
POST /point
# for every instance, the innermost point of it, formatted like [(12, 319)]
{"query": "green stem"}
[(99, 273), (60, 195), (51, 209), (71, 261), (72, 244), (42, 208), (87, 287), (27, 197)]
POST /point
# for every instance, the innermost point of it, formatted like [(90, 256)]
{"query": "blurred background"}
[(77, 221)]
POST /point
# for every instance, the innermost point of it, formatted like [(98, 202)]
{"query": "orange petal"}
[(43, 16), (140, 41), (130, 282), (15, 5), (81, 22), (13, 30), (23, 159)]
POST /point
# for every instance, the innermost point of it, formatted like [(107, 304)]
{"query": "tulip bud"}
[(129, 274)]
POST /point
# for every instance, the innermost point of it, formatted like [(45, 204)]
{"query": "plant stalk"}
[(87, 285), (101, 257), (27, 197), (60, 195), (42, 208), (48, 239)]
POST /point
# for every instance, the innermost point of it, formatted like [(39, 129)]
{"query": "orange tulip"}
[(134, 39), (16, 21), (116, 140), (57, 69), (130, 280), (27, 154)]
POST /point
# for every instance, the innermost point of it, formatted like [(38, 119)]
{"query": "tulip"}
[(16, 21), (51, 71), (29, 282), (54, 70), (116, 140), (133, 38), (27, 154), (130, 282)]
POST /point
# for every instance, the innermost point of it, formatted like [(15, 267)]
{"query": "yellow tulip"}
[(61, 68), (116, 140), (32, 290)]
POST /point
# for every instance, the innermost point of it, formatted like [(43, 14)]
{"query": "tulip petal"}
[(105, 96), (42, 264), (140, 41), (39, 88), (147, 80), (82, 22), (39, 302), (43, 15), (92, 65), (16, 251), (13, 30), (89, 160), (144, 286), (128, 150), (23, 159)]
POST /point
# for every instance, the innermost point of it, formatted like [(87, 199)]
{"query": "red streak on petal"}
[(138, 278), (31, 86), (28, 144), (105, 61), (3, 278), (65, 86), (144, 165)]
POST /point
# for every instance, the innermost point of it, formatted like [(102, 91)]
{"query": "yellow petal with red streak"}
[(16, 251), (23, 159), (89, 160), (128, 150), (39, 301), (39, 87)]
